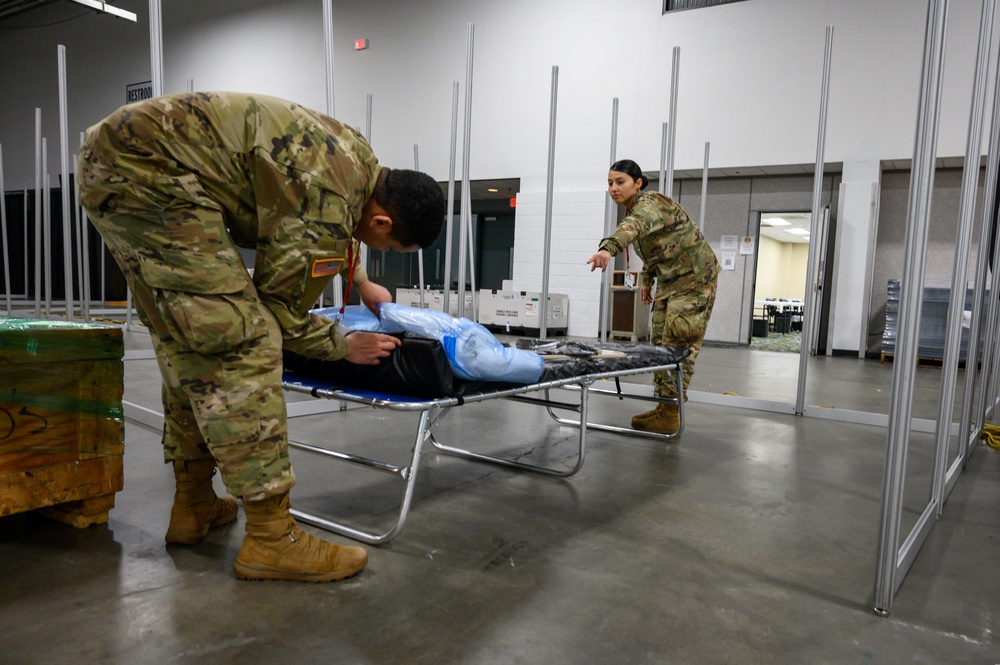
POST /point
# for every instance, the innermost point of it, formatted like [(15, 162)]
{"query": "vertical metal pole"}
[(369, 103), (807, 319), (328, 41), (675, 71), (6, 245), (27, 251), (987, 390), (819, 277), (84, 244), (546, 248), (337, 284), (47, 228), (156, 67), (449, 213), (956, 305), (420, 253), (704, 190), (156, 46), (610, 213), (463, 236), (911, 290), (84, 223), (39, 150), (472, 257), (664, 140), (77, 222), (64, 187), (975, 419)]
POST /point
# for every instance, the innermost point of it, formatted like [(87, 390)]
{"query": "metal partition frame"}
[(543, 311), (610, 210), (894, 561), (943, 482), (449, 213), (811, 264), (466, 208), (3, 236)]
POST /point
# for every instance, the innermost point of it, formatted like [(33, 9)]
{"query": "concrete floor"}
[(752, 540)]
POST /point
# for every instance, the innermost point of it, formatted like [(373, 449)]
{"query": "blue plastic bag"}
[(473, 352)]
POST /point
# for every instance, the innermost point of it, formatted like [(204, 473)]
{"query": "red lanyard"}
[(352, 265)]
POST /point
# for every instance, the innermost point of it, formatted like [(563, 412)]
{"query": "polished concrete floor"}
[(751, 540)]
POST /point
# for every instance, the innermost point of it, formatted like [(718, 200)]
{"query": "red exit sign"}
[(360, 44)]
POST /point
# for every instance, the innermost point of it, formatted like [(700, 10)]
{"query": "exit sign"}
[(360, 44)]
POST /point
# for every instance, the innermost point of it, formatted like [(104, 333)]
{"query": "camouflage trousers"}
[(218, 347), (681, 320)]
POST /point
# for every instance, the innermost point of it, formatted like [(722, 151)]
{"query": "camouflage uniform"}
[(174, 185), (677, 255)]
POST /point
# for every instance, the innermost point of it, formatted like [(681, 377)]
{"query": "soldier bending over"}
[(174, 185)]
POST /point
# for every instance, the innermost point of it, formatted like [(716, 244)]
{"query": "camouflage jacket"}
[(291, 182), (670, 245)]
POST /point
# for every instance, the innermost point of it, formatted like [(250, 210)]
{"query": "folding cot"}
[(576, 374)]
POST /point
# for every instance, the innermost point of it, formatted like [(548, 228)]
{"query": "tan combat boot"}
[(196, 507), (275, 548), (666, 420), (638, 418)]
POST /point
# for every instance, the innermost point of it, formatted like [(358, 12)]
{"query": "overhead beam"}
[(107, 9)]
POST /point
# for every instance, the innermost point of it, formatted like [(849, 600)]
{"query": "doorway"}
[(780, 281)]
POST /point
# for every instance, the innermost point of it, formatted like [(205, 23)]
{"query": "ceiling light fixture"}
[(775, 221), (798, 232)]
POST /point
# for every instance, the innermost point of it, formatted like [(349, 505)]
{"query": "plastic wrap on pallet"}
[(933, 320), (61, 386)]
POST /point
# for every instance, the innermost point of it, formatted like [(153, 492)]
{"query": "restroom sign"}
[(136, 92)]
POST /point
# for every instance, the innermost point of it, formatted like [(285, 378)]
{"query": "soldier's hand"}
[(646, 295), (373, 295), (600, 260), (364, 348)]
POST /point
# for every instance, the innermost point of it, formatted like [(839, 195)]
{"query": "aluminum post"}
[(547, 245), (78, 242), (337, 284), (83, 243), (987, 391), (610, 213), (664, 140), (27, 245), (39, 150), (420, 253), (67, 214), (47, 228), (675, 71), (976, 340), (156, 46), (814, 225), (3, 236), (472, 259), (888, 574), (704, 190), (449, 221), (956, 304), (465, 222), (369, 103), (989, 331)]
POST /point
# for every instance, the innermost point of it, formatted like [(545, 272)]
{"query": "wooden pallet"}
[(924, 361)]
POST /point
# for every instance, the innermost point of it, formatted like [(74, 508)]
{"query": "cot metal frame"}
[(432, 411)]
